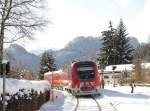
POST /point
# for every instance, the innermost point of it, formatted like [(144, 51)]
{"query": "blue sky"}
[(73, 18)]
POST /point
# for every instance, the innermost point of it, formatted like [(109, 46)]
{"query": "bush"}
[(26, 100)]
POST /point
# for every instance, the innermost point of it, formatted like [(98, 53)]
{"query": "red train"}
[(81, 78)]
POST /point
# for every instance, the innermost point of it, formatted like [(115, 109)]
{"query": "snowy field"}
[(111, 99)]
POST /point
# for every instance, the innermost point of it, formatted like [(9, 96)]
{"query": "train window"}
[(85, 70), (86, 74)]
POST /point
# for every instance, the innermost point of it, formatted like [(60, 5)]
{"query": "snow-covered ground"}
[(63, 102), (123, 100), (112, 99)]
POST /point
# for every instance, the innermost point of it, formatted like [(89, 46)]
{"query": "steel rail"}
[(98, 105), (77, 105)]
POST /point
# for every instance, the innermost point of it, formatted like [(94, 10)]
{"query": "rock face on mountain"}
[(80, 48)]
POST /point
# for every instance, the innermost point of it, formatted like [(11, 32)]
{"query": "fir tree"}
[(107, 51), (47, 64), (116, 48), (124, 49)]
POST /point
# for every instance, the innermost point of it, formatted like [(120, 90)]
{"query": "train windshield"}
[(86, 73)]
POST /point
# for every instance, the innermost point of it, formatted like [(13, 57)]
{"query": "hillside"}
[(20, 58), (83, 48), (80, 48)]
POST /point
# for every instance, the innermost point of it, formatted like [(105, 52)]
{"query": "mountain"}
[(133, 41), (20, 58), (83, 48), (80, 48)]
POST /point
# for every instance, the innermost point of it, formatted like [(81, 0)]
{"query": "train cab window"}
[(86, 73)]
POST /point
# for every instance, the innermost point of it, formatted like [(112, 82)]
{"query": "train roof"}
[(83, 62), (50, 72)]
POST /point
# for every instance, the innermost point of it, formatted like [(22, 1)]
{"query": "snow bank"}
[(13, 85), (24, 95), (63, 102), (22, 87)]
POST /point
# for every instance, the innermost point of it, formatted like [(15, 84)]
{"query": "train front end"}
[(85, 78)]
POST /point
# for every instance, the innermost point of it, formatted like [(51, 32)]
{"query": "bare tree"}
[(141, 55), (19, 19)]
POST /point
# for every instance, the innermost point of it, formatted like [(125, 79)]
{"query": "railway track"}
[(92, 104), (87, 104)]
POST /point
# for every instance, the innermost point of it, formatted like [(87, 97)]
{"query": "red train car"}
[(81, 78), (55, 79)]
